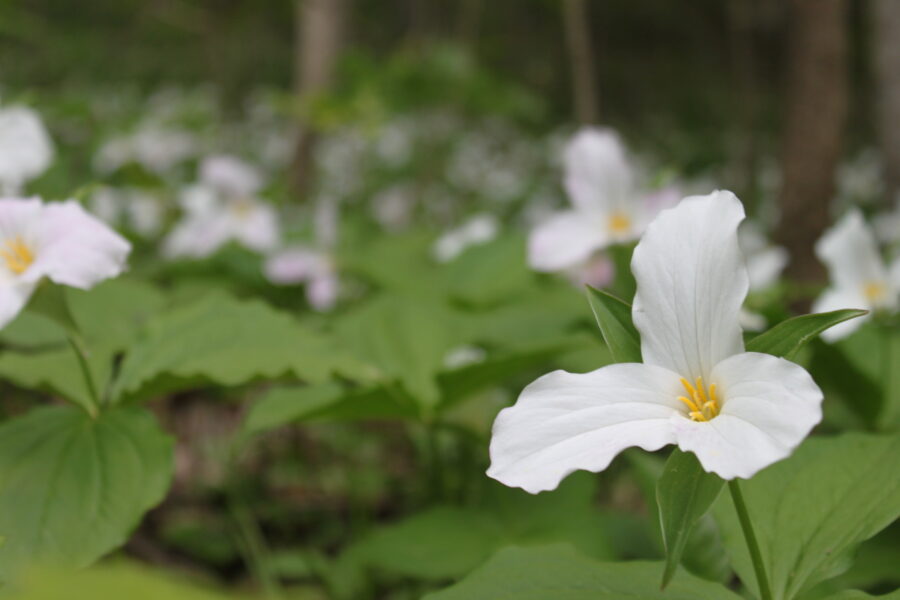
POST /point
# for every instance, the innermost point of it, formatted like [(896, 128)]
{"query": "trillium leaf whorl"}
[(737, 411)]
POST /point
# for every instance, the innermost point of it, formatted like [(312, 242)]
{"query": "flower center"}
[(17, 254), (702, 405), (619, 223), (875, 292), (242, 208)]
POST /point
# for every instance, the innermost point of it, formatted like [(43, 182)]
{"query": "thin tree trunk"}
[(886, 53), (813, 135), (320, 34), (577, 30)]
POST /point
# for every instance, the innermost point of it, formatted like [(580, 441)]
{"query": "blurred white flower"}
[(598, 271), (58, 241), (156, 148), (765, 261), (480, 229), (230, 176), (139, 210), (737, 411), (859, 276), (606, 207), (313, 265), (463, 356), (25, 148), (393, 207), (887, 225)]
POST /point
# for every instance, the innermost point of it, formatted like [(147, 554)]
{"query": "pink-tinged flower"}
[(606, 206), (737, 411), (859, 276), (25, 148), (58, 241), (230, 176), (313, 265)]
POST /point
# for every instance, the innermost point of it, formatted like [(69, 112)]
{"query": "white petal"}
[(851, 254), (769, 406), (230, 175), (14, 296), (322, 290), (598, 177), (76, 248), (765, 265), (293, 265), (25, 146), (691, 282), (257, 228), (565, 240), (196, 236), (837, 299), (564, 422), (894, 274)]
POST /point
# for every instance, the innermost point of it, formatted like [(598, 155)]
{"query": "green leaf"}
[(440, 543), (786, 338), (614, 318), (558, 572), (229, 342), (73, 488), (407, 339), (812, 510), (684, 493), (328, 401), (490, 273), (57, 371), (119, 580)]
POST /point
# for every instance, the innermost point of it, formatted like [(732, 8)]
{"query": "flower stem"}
[(81, 354), (762, 580)]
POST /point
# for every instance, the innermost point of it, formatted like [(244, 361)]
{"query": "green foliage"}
[(219, 339), (812, 510), (73, 488), (108, 582), (786, 338), (684, 493), (559, 572), (614, 318)]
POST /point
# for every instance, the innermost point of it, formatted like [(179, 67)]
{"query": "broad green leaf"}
[(558, 572), (490, 273), (856, 595), (614, 318), (811, 510), (229, 342), (684, 493), (447, 542), (57, 371), (407, 339), (440, 543), (786, 338), (841, 379), (73, 488), (107, 582), (329, 401)]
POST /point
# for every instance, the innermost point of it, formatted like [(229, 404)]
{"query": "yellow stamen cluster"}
[(702, 406), (619, 223), (17, 254), (875, 291)]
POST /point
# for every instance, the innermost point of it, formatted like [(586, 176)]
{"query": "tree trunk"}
[(577, 31), (320, 33), (813, 134), (886, 54)]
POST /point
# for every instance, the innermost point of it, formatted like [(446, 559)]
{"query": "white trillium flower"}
[(25, 148), (58, 241), (737, 411), (221, 208), (480, 229), (859, 276), (606, 207)]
